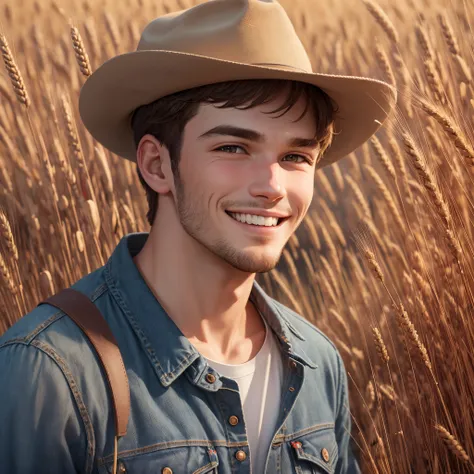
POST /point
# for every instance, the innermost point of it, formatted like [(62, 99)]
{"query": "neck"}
[(205, 297)]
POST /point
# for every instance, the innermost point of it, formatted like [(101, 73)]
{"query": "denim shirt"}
[(55, 407)]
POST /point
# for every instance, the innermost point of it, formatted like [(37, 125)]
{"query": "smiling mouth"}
[(281, 220)]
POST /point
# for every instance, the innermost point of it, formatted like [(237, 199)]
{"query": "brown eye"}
[(221, 148), (300, 156)]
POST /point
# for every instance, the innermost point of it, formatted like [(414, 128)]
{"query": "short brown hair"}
[(166, 118)]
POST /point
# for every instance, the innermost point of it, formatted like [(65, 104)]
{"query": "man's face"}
[(221, 175)]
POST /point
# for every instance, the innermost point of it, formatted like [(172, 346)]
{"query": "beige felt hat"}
[(216, 41)]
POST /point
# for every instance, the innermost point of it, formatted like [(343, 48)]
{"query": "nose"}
[(268, 182)]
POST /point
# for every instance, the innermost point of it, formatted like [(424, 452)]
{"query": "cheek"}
[(300, 192), (228, 174), (302, 184)]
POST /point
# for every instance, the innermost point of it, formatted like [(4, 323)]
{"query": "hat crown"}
[(245, 31)]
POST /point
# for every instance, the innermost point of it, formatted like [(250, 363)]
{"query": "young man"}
[(227, 122)]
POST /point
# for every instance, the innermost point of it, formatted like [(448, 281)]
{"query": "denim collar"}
[(169, 351)]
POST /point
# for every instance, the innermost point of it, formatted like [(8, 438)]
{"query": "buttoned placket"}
[(294, 378), (231, 409), (230, 406)]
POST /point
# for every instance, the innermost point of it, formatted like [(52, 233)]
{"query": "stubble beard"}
[(193, 221)]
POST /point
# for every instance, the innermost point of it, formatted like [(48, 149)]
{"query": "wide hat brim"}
[(127, 81)]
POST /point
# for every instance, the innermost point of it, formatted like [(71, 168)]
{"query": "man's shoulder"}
[(315, 342), (45, 319)]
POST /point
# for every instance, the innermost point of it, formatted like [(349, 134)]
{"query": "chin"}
[(254, 262)]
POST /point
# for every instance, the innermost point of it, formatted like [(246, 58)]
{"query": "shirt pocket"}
[(184, 459), (315, 452)]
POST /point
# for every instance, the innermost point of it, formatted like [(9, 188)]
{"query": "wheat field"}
[(383, 263)]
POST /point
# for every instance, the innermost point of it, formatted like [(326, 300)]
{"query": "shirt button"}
[(233, 420), (325, 454), (240, 456), (210, 378), (121, 468), (291, 389), (167, 470)]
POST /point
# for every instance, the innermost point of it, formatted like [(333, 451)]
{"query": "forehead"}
[(258, 117)]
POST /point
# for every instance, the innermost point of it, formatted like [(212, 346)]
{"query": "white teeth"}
[(255, 220)]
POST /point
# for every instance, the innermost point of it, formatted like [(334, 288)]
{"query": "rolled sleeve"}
[(41, 429)]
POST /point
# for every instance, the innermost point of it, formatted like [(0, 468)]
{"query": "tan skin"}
[(199, 262)]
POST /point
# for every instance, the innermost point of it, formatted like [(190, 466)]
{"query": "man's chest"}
[(194, 427)]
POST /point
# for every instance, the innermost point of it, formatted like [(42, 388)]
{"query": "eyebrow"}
[(255, 136)]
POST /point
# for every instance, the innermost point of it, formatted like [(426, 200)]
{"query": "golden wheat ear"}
[(82, 57), (452, 443), (14, 73)]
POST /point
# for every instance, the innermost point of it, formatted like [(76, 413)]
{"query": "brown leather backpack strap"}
[(86, 315)]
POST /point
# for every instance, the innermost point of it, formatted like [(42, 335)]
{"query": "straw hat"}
[(216, 41)]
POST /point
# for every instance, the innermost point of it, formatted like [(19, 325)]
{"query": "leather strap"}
[(86, 315)]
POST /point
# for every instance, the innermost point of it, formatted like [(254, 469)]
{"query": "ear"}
[(155, 166)]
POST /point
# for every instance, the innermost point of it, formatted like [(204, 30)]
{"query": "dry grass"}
[(396, 295)]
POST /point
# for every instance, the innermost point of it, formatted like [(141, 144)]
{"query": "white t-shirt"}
[(259, 382)]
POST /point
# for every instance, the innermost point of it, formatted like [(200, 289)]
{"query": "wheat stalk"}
[(6, 275), (80, 241), (380, 345), (424, 43), (370, 394), (387, 195), (313, 234), (409, 329), (359, 197), (393, 247), (327, 289), (283, 285), (383, 157), (427, 179), (14, 73), (46, 283), (342, 322), (463, 69), (90, 33), (448, 33), (113, 30), (423, 285), (94, 216), (333, 254), (382, 19), (338, 178), (384, 63), (434, 81), (452, 443), (435, 194), (307, 261), (331, 275), (7, 234), (387, 391), (374, 265), (326, 186), (80, 52), (451, 129), (77, 150)]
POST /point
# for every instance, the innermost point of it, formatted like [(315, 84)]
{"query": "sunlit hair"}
[(166, 118)]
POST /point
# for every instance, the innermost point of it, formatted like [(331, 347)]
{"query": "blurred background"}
[(383, 262)]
